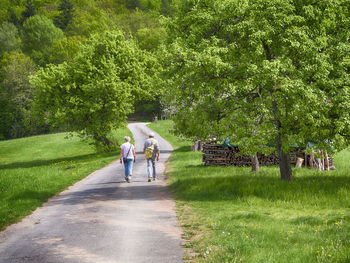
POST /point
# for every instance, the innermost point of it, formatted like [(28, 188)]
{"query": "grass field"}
[(35, 168), (229, 214)]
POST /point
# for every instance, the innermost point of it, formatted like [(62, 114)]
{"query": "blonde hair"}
[(127, 138)]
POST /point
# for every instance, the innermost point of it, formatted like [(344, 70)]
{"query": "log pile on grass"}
[(218, 155)]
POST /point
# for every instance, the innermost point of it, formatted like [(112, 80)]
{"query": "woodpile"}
[(215, 154), (218, 155)]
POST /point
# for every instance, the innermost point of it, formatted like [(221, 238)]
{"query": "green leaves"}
[(259, 70), (39, 34), (93, 93)]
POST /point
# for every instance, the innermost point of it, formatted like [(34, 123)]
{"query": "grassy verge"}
[(35, 168), (232, 215)]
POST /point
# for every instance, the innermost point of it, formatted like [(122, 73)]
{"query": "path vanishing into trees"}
[(102, 219)]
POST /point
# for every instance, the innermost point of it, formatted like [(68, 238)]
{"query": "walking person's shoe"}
[(129, 179), (149, 179), (126, 178), (154, 178)]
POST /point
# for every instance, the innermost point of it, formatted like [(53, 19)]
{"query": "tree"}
[(16, 95), (66, 9), (13, 18), (29, 11), (38, 35), (270, 68), (89, 21), (65, 49), (94, 92), (166, 9), (132, 4), (150, 38), (9, 38)]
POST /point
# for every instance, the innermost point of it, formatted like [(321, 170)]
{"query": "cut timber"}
[(299, 162), (217, 155)]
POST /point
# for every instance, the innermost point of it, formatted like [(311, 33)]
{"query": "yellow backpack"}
[(149, 151)]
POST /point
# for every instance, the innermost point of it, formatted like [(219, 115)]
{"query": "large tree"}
[(16, 95), (93, 93), (66, 9), (9, 38), (261, 69), (38, 35)]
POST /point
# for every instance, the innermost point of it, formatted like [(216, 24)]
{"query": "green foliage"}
[(66, 14), (150, 38), (9, 38), (13, 18), (65, 49), (45, 44), (88, 22), (262, 69), (93, 93), (16, 95), (38, 35), (134, 21), (132, 4), (154, 5), (166, 8), (29, 11)]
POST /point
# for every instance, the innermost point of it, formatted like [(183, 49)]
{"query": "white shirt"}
[(125, 147)]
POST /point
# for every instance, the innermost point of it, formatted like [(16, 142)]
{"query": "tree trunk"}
[(305, 159), (197, 146), (284, 158), (255, 163), (312, 159), (285, 167)]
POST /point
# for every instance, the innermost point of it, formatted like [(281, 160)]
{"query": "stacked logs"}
[(215, 154), (218, 155)]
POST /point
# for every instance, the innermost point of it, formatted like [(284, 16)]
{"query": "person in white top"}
[(127, 156)]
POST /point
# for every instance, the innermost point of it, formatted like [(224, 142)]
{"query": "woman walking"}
[(127, 156)]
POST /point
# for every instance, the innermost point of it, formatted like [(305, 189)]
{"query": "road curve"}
[(102, 219)]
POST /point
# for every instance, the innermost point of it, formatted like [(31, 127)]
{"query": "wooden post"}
[(312, 158), (327, 161), (322, 159), (305, 159), (319, 165), (299, 162)]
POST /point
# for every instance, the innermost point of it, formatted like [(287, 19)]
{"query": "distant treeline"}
[(35, 33)]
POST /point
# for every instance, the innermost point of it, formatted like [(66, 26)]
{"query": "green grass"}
[(35, 168), (229, 214)]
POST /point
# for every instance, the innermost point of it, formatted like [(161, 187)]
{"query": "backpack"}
[(149, 151)]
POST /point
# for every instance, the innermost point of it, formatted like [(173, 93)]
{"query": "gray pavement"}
[(102, 219)]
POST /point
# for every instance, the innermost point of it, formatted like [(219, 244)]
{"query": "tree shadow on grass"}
[(38, 163), (310, 189), (183, 149), (30, 195)]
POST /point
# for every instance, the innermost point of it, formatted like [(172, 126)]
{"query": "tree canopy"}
[(93, 93), (52, 31), (263, 69)]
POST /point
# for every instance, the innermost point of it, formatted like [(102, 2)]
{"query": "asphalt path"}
[(102, 219)]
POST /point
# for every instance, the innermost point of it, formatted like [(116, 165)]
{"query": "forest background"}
[(36, 34)]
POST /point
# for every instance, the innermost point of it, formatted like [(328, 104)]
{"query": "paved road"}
[(102, 219)]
